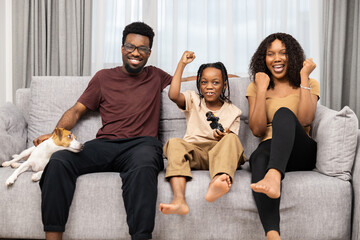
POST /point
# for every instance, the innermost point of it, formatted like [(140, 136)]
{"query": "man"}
[(128, 99)]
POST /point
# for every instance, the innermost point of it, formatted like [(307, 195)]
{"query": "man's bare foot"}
[(272, 235), (179, 207), (269, 185), (220, 185)]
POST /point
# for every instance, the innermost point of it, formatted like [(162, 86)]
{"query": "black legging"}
[(290, 149)]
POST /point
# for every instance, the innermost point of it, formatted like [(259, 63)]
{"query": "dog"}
[(38, 157)]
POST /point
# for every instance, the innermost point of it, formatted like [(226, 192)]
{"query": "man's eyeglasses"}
[(142, 49)]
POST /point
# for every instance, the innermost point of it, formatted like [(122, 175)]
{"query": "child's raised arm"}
[(174, 92)]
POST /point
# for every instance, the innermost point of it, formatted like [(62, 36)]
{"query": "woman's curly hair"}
[(295, 56)]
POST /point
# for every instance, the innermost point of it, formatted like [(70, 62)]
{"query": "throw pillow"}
[(336, 135)]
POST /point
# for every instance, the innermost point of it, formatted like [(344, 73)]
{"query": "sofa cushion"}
[(97, 211), (50, 98), (12, 131), (336, 135)]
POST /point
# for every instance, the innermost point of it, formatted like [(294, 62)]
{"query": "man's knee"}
[(148, 156), (60, 164)]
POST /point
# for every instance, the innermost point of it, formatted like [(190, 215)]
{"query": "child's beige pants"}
[(224, 156)]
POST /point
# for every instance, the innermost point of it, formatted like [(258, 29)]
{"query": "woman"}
[(282, 104)]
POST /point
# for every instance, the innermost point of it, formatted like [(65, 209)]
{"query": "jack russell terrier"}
[(38, 157)]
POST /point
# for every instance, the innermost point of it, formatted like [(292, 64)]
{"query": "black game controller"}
[(214, 121)]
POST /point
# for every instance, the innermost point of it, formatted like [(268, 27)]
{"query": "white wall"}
[(5, 52)]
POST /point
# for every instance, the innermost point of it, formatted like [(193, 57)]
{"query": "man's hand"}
[(219, 135), (40, 139)]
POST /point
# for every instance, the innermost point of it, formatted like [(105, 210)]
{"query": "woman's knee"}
[(283, 115), (283, 112)]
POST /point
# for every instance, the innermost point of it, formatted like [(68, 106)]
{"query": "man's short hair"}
[(139, 28)]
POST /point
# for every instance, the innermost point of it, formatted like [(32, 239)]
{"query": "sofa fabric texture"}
[(315, 205), (13, 132), (336, 135)]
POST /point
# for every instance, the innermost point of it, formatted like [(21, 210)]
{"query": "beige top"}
[(198, 128), (273, 104)]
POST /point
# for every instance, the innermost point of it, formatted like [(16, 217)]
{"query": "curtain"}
[(50, 38), (340, 74), (216, 30)]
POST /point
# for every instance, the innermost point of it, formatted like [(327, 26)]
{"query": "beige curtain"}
[(340, 76), (50, 37)]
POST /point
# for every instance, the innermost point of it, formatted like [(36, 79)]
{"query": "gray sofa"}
[(320, 204)]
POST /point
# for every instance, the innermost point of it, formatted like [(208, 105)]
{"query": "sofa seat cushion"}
[(313, 207)]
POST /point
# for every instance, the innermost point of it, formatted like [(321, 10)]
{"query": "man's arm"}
[(67, 121)]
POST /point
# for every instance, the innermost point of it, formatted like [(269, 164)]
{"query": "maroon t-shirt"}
[(129, 105)]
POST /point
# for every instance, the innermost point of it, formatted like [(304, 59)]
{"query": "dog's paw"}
[(15, 164), (6, 164), (15, 156), (36, 176), (10, 181)]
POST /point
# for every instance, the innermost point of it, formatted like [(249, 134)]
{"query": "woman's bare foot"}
[(179, 207), (269, 185), (272, 235), (220, 185)]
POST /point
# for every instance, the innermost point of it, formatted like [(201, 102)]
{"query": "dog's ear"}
[(58, 132)]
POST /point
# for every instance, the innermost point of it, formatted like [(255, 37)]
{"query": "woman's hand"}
[(187, 57), (219, 134), (308, 67), (262, 81)]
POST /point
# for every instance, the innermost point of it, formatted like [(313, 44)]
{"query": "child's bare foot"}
[(220, 185), (269, 185), (175, 207), (272, 235)]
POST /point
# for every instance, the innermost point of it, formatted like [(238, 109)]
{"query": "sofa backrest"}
[(51, 96)]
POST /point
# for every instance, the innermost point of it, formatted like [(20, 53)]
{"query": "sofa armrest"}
[(356, 193), (13, 131)]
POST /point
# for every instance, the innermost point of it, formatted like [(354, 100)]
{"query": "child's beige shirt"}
[(198, 128)]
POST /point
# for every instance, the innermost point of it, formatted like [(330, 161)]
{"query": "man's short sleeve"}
[(165, 78), (92, 95)]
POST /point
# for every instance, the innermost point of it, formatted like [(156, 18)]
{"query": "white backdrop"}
[(216, 30)]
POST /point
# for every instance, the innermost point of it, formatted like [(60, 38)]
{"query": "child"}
[(203, 147)]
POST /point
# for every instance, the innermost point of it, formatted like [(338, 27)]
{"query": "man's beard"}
[(133, 70)]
